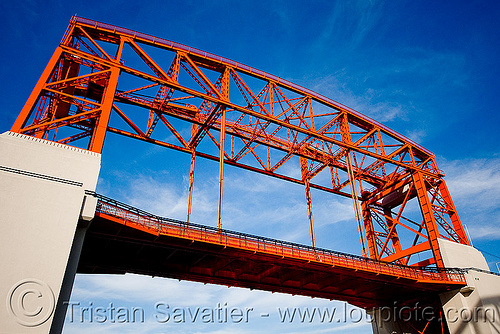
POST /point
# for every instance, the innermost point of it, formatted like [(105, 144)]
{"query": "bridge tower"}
[(218, 109)]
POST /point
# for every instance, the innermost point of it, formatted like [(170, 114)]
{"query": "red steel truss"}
[(103, 78), (124, 239)]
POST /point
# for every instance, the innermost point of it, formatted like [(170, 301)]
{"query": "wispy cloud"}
[(416, 135), (474, 185), (144, 292), (119, 288), (252, 203), (475, 182), (163, 194), (156, 196), (349, 24), (485, 232), (433, 67), (336, 86)]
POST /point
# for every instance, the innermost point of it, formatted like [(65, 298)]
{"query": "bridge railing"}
[(177, 228)]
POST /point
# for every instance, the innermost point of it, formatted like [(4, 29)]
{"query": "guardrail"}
[(177, 228)]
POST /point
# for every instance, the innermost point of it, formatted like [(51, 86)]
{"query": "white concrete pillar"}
[(42, 192), (474, 309)]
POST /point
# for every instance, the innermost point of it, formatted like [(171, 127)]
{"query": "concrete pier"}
[(43, 201)]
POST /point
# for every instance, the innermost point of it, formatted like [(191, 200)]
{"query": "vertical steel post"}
[(355, 202), (370, 233), (309, 211), (101, 127), (190, 189), (221, 164), (346, 137), (452, 211), (25, 113), (305, 177), (428, 215)]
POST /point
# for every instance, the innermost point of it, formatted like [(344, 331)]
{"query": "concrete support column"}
[(42, 199), (475, 308)]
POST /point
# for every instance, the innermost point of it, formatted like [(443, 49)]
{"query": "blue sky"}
[(428, 70)]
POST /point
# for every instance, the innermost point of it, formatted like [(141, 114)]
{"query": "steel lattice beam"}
[(263, 123)]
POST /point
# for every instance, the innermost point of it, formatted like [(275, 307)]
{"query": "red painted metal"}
[(270, 123), (124, 239), (155, 225)]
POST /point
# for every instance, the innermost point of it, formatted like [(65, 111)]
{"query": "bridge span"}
[(123, 239), (103, 79)]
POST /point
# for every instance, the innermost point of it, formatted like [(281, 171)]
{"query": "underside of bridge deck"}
[(114, 248)]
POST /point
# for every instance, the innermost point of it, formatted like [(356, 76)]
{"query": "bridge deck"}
[(125, 239)]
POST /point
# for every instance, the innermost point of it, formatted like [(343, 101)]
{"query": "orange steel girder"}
[(170, 248), (100, 72)]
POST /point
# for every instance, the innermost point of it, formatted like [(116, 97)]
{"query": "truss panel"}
[(104, 78)]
